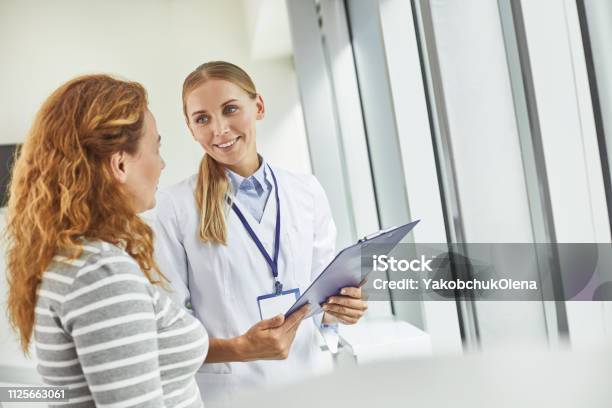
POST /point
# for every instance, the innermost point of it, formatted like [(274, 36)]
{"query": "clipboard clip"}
[(376, 234)]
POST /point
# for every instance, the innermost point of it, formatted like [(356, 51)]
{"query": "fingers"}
[(343, 311), (344, 318), (351, 292), (348, 302), (275, 321), (296, 317), (348, 308)]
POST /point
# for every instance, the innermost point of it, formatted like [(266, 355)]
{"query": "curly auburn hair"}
[(63, 190)]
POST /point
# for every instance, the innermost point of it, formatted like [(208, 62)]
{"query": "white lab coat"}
[(222, 283)]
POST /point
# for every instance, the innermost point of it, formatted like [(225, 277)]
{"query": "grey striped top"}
[(112, 338)]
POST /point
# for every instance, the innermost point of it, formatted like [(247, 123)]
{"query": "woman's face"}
[(142, 170), (221, 117)]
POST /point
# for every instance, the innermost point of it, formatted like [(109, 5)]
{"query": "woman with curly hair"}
[(82, 279)]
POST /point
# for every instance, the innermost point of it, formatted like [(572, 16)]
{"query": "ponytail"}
[(211, 191)]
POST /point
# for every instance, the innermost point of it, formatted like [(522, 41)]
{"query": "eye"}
[(230, 109), (201, 120)]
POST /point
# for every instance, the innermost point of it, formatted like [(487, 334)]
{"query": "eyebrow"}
[(230, 101), (204, 111), (159, 138)]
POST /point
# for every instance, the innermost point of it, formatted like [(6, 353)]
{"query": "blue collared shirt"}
[(252, 191)]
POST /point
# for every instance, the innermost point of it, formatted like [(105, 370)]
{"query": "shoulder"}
[(186, 186), (98, 261), (106, 259), (109, 284), (109, 273), (177, 193), (303, 191), (101, 260), (94, 252), (307, 183), (176, 198)]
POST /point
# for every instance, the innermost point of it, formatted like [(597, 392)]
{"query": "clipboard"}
[(345, 269)]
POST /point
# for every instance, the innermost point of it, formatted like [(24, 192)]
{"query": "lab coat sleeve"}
[(170, 253), (323, 251)]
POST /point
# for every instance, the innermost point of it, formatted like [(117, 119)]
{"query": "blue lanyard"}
[(273, 262)]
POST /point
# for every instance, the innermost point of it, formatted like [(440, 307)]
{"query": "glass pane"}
[(598, 24), (482, 143)]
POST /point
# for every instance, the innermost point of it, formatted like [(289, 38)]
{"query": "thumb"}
[(296, 318), (271, 323)]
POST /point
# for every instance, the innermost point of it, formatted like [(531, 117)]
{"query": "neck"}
[(246, 167)]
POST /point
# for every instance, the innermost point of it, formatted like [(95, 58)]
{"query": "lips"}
[(227, 144)]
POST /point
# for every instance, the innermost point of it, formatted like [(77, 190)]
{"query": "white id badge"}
[(272, 305)]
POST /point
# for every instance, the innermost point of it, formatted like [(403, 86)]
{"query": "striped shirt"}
[(112, 338)]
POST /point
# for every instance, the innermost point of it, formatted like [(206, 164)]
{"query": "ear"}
[(261, 108), (118, 166)]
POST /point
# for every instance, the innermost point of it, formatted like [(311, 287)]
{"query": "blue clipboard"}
[(345, 269)]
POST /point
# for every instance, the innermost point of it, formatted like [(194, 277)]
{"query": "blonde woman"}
[(82, 279), (241, 239)]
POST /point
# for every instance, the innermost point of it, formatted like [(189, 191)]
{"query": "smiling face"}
[(222, 117)]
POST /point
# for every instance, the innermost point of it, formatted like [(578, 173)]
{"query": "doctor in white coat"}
[(242, 237)]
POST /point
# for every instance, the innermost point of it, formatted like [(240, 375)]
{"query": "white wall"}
[(155, 42), (268, 28)]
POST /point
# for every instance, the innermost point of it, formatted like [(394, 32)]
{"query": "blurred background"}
[(489, 120)]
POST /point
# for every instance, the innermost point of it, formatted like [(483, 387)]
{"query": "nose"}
[(163, 164), (221, 127)]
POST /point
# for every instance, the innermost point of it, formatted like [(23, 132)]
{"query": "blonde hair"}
[(63, 189), (212, 185)]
